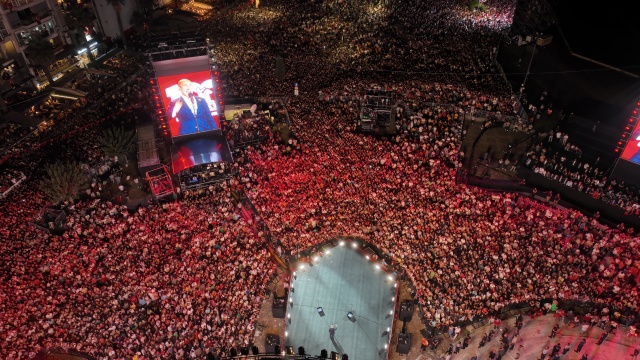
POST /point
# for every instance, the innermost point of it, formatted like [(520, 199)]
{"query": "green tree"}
[(117, 7), (147, 6), (40, 52), (117, 142), (77, 18), (477, 4), (64, 181)]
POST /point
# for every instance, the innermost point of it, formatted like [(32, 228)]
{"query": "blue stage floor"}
[(341, 282)]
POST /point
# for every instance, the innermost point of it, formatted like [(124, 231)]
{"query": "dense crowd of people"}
[(117, 284), (556, 158), (186, 278), (12, 133), (85, 114), (252, 126), (469, 252)]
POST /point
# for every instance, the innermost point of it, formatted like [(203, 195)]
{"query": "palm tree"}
[(147, 6), (117, 142), (117, 6), (77, 18), (64, 181), (41, 54), (140, 20)]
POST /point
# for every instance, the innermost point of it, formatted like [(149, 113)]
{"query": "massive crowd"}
[(556, 157), (186, 278), (559, 160), (119, 283), (255, 125), (469, 252)]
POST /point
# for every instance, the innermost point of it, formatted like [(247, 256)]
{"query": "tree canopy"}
[(116, 141), (63, 182), (40, 51)]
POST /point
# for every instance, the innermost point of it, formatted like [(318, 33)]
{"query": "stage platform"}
[(203, 148), (343, 281)]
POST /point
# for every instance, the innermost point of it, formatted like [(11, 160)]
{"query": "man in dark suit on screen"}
[(191, 112), (635, 142)]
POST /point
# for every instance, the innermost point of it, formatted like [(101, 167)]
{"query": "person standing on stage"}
[(424, 343), (332, 331), (190, 111)]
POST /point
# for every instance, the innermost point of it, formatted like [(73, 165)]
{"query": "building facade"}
[(108, 18), (20, 20)]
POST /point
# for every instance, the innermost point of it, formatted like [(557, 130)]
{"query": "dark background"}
[(589, 94)]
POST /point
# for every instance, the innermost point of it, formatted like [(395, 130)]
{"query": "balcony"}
[(3, 31), (46, 29), (29, 16), (24, 24), (15, 5)]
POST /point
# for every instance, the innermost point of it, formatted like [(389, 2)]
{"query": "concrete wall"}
[(108, 19)]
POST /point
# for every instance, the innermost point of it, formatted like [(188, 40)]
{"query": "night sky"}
[(605, 31)]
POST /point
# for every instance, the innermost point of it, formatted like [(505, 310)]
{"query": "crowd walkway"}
[(534, 337)]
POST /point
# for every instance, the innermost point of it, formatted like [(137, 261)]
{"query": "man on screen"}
[(190, 111), (632, 149)]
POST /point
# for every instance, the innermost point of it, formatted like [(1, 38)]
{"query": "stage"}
[(341, 282), (189, 151)]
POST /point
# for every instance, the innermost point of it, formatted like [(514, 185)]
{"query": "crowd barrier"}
[(567, 309), (582, 201), (4, 191), (266, 356), (59, 353), (274, 246)]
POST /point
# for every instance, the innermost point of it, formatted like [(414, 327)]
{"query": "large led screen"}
[(188, 95), (197, 151), (631, 152)]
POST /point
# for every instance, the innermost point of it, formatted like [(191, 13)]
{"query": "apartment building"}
[(19, 21)]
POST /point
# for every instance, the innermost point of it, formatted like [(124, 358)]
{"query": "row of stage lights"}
[(316, 260), (628, 129), (323, 354), (158, 105)]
